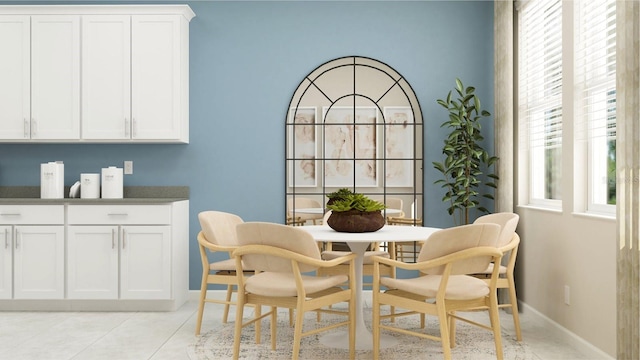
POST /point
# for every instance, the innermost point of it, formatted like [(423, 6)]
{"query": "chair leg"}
[(238, 327), (376, 327), (495, 325), (444, 331), (514, 307), (226, 306), (297, 332), (452, 330), (274, 323), (203, 295), (258, 324)]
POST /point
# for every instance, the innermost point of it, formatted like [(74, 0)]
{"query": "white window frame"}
[(532, 115), (593, 83)]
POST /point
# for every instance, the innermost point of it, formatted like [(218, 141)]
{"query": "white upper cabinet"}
[(95, 73), (15, 77), (55, 77), (106, 74), (159, 87)]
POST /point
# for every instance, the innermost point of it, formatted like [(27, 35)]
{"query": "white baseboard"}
[(567, 336)]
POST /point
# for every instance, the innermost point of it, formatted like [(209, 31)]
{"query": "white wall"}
[(559, 249)]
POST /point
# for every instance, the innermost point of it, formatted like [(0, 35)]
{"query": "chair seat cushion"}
[(330, 255), (460, 287), (284, 284)]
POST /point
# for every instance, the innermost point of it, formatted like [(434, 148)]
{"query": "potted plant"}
[(465, 158), (355, 213), (338, 195)]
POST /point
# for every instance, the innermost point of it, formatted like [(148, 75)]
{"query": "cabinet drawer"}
[(32, 214), (119, 214)]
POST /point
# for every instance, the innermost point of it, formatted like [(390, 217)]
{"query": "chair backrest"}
[(301, 203), (219, 227), (325, 218), (447, 241), (277, 235), (508, 222)]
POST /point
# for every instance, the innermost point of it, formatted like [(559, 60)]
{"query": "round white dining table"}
[(358, 243)]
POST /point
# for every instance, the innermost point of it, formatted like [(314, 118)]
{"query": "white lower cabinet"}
[(38, 262), (128, 252), (145, 262), (6, 262), (32, 252), (92, 258), (126, 262), (98, 257)]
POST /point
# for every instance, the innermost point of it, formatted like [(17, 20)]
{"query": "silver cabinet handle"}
[(17, 238), (26, 128), (123, 239), (113, 239), (134, 128), (6, 238), (117, 214), (127, 126), (10, 214), (34, 127)]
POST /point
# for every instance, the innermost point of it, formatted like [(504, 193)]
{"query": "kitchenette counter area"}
[(131, 194), (74, 254)]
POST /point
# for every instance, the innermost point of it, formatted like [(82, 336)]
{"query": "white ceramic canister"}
[(90, 186), (52, 180), (112, 187)]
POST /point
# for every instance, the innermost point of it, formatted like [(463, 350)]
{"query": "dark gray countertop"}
[(132, 194)]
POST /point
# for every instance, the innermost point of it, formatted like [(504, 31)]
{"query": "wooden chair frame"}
[(443, 308), (302, 302)]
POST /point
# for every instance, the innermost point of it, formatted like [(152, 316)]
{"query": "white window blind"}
[(595, 96), (540, 96)]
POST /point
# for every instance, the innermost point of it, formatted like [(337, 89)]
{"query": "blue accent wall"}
[(246, 59)]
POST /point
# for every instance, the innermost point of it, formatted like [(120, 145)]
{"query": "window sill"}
[(540, 208), (598, 216)]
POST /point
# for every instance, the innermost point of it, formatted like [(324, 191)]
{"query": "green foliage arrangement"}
[(465, 158), (339, 194), (357, 202)]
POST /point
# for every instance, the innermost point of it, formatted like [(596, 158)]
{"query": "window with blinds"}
[(595, 95), (540, 96), (589, 80)]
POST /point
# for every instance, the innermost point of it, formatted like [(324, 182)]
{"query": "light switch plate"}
[(128, 167)]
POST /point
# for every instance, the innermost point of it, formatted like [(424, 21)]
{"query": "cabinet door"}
[(6, 265), (145, 262), (106, 77), (15, 72), (92, 262), (39, 262), (156, 77), (55, 77)]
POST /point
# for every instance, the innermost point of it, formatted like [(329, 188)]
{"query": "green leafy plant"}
[(339, 194), (465, 158), (357, 202)]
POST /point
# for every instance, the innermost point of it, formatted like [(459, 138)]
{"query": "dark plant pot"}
[(355, 221)]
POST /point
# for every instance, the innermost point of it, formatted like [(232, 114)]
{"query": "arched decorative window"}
[(354, 122)]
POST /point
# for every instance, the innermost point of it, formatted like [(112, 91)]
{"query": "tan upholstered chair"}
[(217, 235), (280, 255), (406, 251), (508, 243), (444, 286), (302, 203)]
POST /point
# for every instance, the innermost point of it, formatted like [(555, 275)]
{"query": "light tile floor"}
[(165, 335)]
